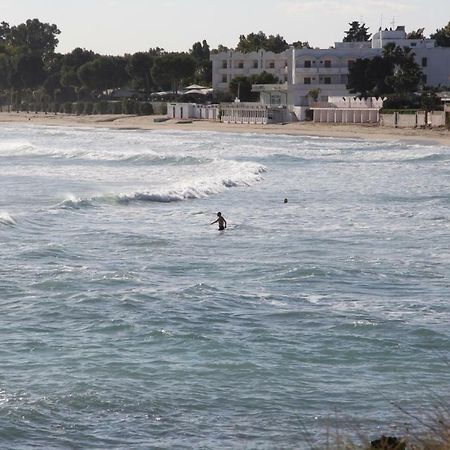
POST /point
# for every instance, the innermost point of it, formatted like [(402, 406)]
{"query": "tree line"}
[(32, 71)]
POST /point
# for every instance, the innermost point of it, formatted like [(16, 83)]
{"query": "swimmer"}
[(221, 220)]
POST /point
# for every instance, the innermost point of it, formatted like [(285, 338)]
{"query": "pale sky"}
[(126, 26)]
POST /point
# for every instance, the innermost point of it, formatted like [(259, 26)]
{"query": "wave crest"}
[(7, 219)]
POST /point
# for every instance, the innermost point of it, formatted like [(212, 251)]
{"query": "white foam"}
[(7, 219)]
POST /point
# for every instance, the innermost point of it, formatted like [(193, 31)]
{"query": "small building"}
[(346, 110), (185, 111), (253, 113)]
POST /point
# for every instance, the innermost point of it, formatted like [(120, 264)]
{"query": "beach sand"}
[(129, 122)]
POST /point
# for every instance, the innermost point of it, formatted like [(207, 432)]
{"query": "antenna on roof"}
[(393, 23)]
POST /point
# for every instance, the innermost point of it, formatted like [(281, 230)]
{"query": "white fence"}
[(346, 115), (418, 119)]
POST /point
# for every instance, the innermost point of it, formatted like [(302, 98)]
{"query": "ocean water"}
[(129, 322)]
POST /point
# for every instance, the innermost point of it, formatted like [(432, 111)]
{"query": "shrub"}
[(115, 107), (68, 107), (88, 108), (101, 107), (145, 109), (79, 108), (129, 107)]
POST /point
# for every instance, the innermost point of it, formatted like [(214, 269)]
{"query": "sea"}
[(128, 321)]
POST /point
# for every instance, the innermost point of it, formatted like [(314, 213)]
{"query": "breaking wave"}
[(7, 219)]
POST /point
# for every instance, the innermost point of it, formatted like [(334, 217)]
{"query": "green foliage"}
[(88, 108), (394, 72), (358, 32), (241, 87), (129, 107), (201, 54), (68, 107), (442, 36), (79, 108), (220, 49), (104, 72), (264, 78), (417, 34), (429, 101), (115, 107), (32, 36), (171, 69), (28, 71), (314, 94), (101, 107), (401, 101), (138, 68), (300, 44), (145, 109), (259, 41)]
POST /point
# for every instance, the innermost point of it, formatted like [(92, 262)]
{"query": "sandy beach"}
[(123, 122)]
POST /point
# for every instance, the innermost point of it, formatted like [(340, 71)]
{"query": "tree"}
[(5, 71), (259, 41), (357, 33), (4, 31), (220, 49), (241, 87), (201, 54), (103, 73), (442, 36), (314, 94), (34, 36), (300, 44), (138, 68), (406, 74), (264, 78), (252, 42), (417, 34), (276, 44), (358, 79), (28, 71), (78, 56), (394, 72), (172, 69)]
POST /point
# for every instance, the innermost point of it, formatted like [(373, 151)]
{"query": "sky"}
[(117, 27)]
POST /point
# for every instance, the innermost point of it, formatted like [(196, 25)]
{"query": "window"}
[(350, 63), (285, 78), (240, 65), (272, 65), (327, 63), (307, 63), (413, 44), (327, 80), (255, 64), (424, 62), (307, 80), (224, 65), (424, 79), (224, 79)]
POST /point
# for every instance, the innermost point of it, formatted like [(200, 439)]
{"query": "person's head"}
[(219, 214)]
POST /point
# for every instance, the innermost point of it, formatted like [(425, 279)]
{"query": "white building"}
[(231, 64), (324, 72)]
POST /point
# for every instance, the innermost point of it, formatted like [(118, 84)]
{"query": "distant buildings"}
[(310, 75)]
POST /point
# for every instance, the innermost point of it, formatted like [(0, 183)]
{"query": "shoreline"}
[(129, 122)]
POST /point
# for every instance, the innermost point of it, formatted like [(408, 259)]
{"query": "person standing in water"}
[(221, 220)]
